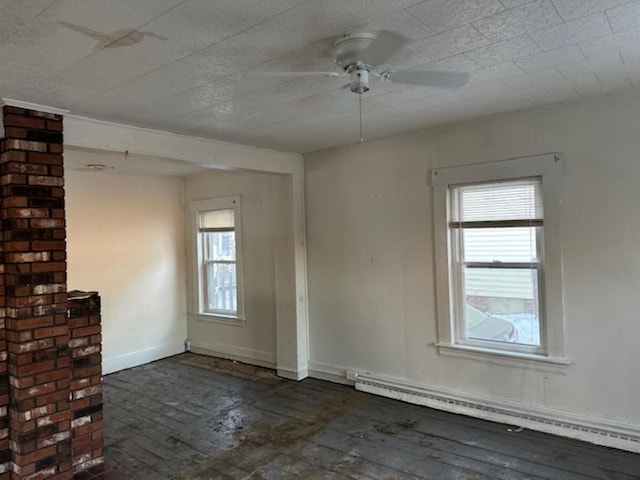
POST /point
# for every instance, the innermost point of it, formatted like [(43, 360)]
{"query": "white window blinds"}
[(515, 202), (216, 221)]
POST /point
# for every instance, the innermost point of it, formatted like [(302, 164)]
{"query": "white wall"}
[(86, 135), (125, 239), (267, 230), (371, 260)]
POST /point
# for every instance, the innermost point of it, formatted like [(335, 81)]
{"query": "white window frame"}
[(198, 281), (551, 353)]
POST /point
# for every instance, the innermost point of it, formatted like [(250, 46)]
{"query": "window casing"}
[(498, 262), (218, 259)]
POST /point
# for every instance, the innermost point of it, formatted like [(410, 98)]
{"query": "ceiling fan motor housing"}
[(349, 47), (348, 51)]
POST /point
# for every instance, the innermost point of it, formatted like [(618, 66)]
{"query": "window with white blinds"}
[(498, 259), (218, 241), (496, 240), (218, 256)]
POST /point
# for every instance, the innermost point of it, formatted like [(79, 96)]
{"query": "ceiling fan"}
[(359, 55)]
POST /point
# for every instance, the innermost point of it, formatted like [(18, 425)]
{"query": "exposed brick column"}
[(86, 382), (4, 380), (34, 258)]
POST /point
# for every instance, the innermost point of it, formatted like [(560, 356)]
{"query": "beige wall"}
[(371, 260), (266, 230), (126, 240)]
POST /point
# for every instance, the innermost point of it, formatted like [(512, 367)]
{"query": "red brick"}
[(35, 368), (59, 417), (60, 297), (78, 322), (48, 245), (31, 301), (16, 246), (51, 398), (13, 156), (48, 267), (47, 223), (35, 456), (50, 332), (46, 115), (27, 168), (20, 336), (15, 202), (15, 132), (55, 125), (85, 331), (25, 213), (13, 178), (22, 121), (45, 158), (28, 347), (45, 181), (51, 376), (22, 427), (9, 109), (36, 390), (29, 323), (16, 144), (56, 171)]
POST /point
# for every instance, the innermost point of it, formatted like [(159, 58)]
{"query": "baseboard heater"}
[(597, 431)]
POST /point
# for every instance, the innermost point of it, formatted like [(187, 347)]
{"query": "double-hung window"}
[(219, 276), (498, 258), (495, 234)]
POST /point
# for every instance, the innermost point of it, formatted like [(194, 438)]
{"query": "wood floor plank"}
[(196, 418)]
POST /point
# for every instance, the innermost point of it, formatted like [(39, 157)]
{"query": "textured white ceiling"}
[(185, 65)]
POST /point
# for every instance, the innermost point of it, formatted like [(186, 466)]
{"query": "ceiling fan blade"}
[(298, 74), (438, 79), (382, 47)]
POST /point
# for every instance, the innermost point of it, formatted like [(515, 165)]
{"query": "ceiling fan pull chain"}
[(360, 108)]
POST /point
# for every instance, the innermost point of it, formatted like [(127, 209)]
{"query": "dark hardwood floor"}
[(196, 418)]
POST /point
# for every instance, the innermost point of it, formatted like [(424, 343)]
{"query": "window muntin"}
[(496, 252)]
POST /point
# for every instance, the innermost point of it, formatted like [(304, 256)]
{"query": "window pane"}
[(501, 305), (512, 200), (219, 246), (514, 244), (222, 291)]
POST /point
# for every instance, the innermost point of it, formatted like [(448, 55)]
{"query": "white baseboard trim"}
[(291, 374), (329, 372), (232, 352), (624, 436), (141, 357)]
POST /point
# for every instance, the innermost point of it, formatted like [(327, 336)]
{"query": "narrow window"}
[(218, 237), (218, 257)]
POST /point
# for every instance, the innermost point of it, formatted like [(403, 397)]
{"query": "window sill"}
[(218, 318), (505, 358)]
